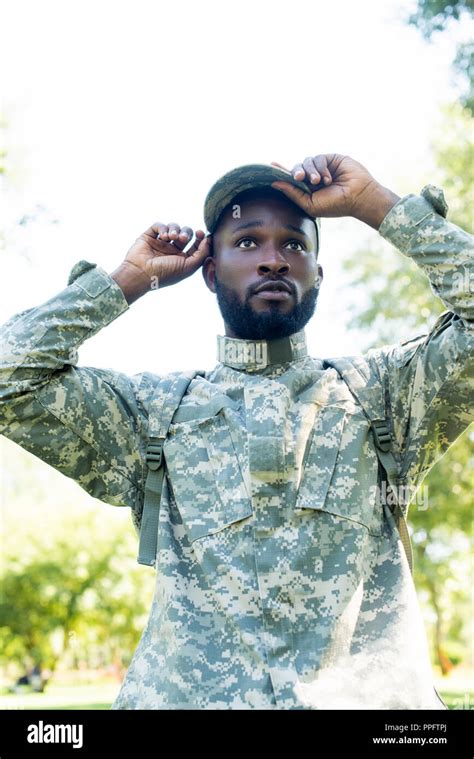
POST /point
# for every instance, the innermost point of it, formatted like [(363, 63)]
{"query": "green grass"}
[(59, 696), (101, 696), (458, 699)]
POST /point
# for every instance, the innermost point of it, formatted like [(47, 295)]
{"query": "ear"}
[(320, 275), (208, 270)]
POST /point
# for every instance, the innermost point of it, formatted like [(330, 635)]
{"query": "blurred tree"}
[(454, 150), (401, 303), (84, 583), (433, 16), (71, 589)]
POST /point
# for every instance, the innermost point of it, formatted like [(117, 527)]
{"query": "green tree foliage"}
[(72, 591), (434, 16), (54, 597), (464, 64), (400, 303), (454, 149), (401, 300)]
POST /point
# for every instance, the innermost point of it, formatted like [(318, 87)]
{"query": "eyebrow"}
[(249, 224)]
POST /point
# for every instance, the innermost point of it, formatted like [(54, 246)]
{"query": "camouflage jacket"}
[(281, 582)]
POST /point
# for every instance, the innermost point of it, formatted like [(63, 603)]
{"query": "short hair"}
[(256, 193)]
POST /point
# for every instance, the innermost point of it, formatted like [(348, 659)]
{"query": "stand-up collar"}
[(255, 355)]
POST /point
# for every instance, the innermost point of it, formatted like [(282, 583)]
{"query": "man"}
[(282, 581)]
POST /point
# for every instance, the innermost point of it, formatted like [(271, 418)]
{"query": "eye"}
[(243, 243), (298, 243)]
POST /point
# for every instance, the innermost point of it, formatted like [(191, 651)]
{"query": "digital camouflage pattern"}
[(281, 580)]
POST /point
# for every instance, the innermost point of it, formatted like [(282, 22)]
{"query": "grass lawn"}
[(60, 696), (458, 699), (101, 696)]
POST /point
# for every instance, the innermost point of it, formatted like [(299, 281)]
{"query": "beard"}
[(271, 324)]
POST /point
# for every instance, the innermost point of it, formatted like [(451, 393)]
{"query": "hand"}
[(340, 187), (159, 258)]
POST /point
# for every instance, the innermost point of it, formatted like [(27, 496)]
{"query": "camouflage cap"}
[(244, 178)]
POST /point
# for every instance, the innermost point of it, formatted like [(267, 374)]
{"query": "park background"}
[(115, 115)]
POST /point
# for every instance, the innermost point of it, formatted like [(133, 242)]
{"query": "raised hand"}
[(340, 186), (159, 258)]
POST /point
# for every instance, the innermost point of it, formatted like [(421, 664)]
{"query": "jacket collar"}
[(255, 355)]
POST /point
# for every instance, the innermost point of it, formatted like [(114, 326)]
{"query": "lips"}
[(273, 287), (274, 290)]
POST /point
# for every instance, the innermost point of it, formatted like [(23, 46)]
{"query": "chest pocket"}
[(340, 468), (204, 470)]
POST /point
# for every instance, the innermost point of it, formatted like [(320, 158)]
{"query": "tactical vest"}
[(354, 371)]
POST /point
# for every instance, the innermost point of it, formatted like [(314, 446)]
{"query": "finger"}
[(174, 230), (164, 247), (163, 233), (197, 256), (157, 237), (312, 174), (184, 236), (321, 163), (279, 166), (199, 236), (158, 228), (298, 171)]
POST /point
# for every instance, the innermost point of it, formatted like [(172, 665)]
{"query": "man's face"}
[(264, 269)]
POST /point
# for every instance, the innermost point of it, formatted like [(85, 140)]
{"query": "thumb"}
[(279, 166), (197, 254)]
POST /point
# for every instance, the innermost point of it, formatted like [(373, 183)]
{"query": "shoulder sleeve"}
[(90, 424), (431, 377), (430, 391)]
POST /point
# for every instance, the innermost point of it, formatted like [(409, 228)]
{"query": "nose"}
[(273, 263)]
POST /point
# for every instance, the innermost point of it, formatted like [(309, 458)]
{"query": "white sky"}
[(124, 113)]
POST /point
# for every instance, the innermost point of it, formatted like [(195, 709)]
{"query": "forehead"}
[(267, 208)]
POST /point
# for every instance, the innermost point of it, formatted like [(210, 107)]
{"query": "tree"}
[(82, 590), (434, 16), (71, 587), (401, 303)]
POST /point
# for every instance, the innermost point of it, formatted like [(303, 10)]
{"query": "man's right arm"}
[(87, 423)]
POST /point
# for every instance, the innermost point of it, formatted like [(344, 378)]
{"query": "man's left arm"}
[(431, 378)]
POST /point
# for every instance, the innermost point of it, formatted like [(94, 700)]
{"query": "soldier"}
[(281, 576)]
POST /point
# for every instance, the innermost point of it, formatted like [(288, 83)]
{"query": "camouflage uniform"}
[(281, 581)]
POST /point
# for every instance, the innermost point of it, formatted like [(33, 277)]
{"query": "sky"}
[(122, 114)]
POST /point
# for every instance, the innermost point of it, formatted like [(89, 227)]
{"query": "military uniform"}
[(281, 582)]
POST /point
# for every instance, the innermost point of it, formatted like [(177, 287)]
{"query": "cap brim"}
[(244, 178)]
